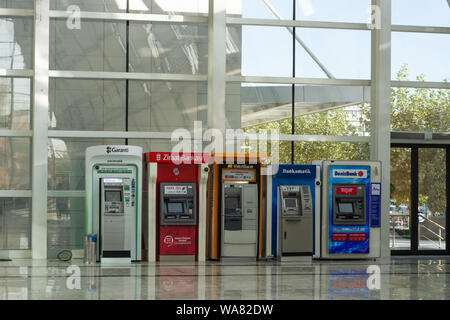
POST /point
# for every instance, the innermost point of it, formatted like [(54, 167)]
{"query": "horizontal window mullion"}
[(108, 134), (15, 193), (112, 16), (297, 23), (420, 29), (4, 12), (291, 80), (125, 76), (16, 133)]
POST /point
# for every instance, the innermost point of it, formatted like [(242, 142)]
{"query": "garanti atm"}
[(295, 199), (350, 215), (113, 201), (175, 206), (235, 207)]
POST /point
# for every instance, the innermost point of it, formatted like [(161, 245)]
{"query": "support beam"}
[(381, 109), (217, 64), (40, 131)]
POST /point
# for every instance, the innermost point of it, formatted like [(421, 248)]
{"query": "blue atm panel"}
[(294, 200)]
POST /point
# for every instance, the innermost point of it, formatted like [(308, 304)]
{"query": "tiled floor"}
[(395, 278)]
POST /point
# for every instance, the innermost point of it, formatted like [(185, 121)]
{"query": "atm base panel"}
[(176, 257)]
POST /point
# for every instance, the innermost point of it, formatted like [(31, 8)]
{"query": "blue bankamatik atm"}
[(350, 211), (295, 198)]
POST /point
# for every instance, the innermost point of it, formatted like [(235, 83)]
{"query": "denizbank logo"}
[(116, 150), (296, 171), (349, 173)]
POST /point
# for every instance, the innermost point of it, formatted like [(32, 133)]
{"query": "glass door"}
[(399, 209), (419, 199), (432, 198)]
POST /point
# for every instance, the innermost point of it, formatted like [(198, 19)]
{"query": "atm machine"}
[(351, 215), (236, 203), (113, 203), (295, 199), (175, 206)]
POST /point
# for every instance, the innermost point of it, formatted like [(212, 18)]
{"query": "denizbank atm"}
[(113, 201), (236, 225), (350, 215), (295, 201)]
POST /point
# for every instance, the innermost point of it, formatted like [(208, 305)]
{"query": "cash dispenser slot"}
[(177, 204), (348, 204), (233, 209)]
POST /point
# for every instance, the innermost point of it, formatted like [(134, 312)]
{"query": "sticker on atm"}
[(357, 237), (239, 175), (175, 189), (346, 190), (338, 237)]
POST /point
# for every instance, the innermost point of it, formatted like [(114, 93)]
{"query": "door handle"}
[(285, 235)]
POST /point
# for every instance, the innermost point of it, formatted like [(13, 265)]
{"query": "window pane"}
[(96, 46), (345, 54), (424, 55), (16, 43), (15, 103), (399, 211), (66, 161), (421, 13), (17, 4), (265, 51), (87, 105), (162, 106), (185, 7), (15, 163), (260, 10), (15, 223), (305, 152), (332, 110), (259, 106), (91, 5), (154, 145), (420, 110), (65, 224), (432, 198), (334, 11), (163, 48)]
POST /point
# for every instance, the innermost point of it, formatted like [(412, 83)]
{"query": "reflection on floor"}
[(395, 278)]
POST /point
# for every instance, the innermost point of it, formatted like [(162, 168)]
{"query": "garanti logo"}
[(114, 150)]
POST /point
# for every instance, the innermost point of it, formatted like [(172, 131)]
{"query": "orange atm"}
[(236, 207)]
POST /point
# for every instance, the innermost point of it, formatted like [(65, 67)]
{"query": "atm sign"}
[(346, 190), (175, 190)]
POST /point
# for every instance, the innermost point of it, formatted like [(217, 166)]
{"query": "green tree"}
[(419, 110), (413, 109)]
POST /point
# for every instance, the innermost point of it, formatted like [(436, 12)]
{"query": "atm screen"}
[(174, 207), (290, 203), (113, 196), (232, 202), (345, 207)]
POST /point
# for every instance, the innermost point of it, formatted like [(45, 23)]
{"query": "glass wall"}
[(135, 76)]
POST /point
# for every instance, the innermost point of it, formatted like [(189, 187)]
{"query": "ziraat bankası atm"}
[(113, 201), (175, 206), (295, 195), (237, 193), (350, 216)]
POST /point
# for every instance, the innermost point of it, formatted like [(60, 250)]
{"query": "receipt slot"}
[(113, 202), (350, 216), (174, 206), (236, 220), (295, 199)]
